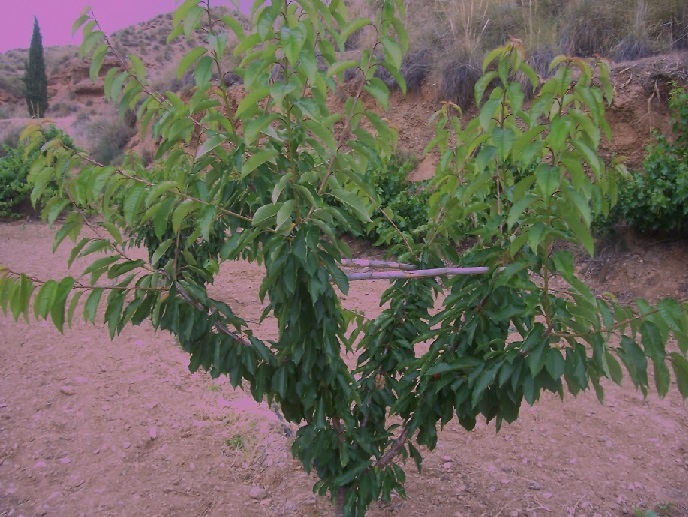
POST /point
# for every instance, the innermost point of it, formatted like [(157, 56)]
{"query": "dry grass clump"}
[(620, 29), (458, 78), (109, 136), (11, 84), (415, 68)]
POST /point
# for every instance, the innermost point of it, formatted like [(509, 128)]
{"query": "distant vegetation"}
[(657, 201), (15, 163), (451, 37)]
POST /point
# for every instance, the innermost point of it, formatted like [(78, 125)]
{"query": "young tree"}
[(35, 79), (274, 178)]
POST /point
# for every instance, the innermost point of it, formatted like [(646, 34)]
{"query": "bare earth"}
[(121, 428)]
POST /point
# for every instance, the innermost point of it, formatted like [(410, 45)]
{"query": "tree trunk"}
[(339, 500)]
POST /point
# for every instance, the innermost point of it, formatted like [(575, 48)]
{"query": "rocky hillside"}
[(68, 75), (76, 103)]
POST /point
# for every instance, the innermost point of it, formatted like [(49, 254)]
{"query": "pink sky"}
[(55, 18)]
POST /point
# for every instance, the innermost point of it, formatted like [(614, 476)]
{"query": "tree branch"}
[(397, 445)]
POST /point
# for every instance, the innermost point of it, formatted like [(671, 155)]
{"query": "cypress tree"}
[(35, 79)]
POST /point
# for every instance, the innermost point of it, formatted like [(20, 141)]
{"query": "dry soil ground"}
[(90, 426)]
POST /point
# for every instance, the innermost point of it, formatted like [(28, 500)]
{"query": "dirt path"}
[(121, 428)]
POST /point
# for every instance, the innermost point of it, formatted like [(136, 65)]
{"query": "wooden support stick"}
[(419, 273), (377, 263)]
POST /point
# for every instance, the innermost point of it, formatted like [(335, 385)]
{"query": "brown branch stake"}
[(377, 263), (419, 273)]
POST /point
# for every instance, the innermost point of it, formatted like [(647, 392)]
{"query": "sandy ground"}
[(90, 426)]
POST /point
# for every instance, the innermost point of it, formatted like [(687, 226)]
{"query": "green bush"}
[(657, 201), (15, 190), (404, 202)]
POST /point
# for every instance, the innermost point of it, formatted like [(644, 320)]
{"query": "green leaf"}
[(480, 87), (22, 296), (662, 379), (57, 311), (379, 91), (554, 363), (192, 20), (205, 221), (95, 246), (635, 361), (91, 306), (264, 213), (673, 314), (98, 267), (250, 102), (81, 19), (547, 179), (90, 40), (615, 371), (487, 113), (161, 219), (181, 212), (234, 26), (563, 262), (44, 300), (160, 251), (482, 382), (123, 268), (352, 201), (653, 342), (582, 233), (518, 208), (680, 366), (248, 43), (293, 40), (393, 51), (97, 61), (204, 72), (491, 56), (137, 66), (284, 214), (590, 155), (353, 26), (257, 160), (181, 11), (72, 307), (503, 139), (132, 202), (213, 140), (113, 311), (339, 66)]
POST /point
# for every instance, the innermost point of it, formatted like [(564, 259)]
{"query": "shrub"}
[(415, 67), (632, 47), (14, 169), (657, 201), (110, 135), (12, 84), (458, 81), (404, 202)]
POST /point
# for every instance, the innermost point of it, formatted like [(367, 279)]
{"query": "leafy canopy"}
[(276, 176)]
